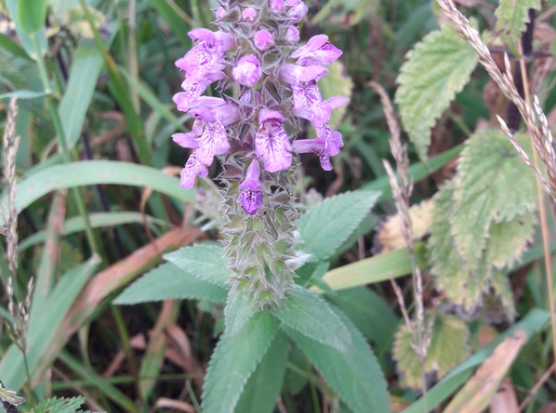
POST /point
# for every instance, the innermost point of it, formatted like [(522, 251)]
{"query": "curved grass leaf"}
[(435, 70), (26, 41), (234, 361), (170, 282), (310, 315), (324, 228), (264, 385), (206, 261), (356, 377), (448, 348), (95, 172), (493, 185), (31, 15)]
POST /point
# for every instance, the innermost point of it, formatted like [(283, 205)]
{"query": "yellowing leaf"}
[(448, 348), (493, 185), (435, 70), (390, 237), (336, 83)]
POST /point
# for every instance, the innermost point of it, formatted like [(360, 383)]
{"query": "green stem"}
[(76, 193)]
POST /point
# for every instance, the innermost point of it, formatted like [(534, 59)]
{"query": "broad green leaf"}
[(12, 366), (435, 70), (26, 41), (375, 269), (369, 312), (508, 240), (170, 282), (264, 385), (448, 348), (325, 227), (238, 311), (92, 173), (336, 83), (31, 15), (98, 220), (23, 94), (234, 361), (356, 377), (513, 15), (310, 315), (55, 405), (533, 322), (493, 185), (7, 44), (206, 261)]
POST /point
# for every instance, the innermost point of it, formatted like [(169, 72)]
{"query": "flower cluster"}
[(268, 87)]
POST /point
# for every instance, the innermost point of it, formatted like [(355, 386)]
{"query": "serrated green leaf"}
[(502, 290), (493, 185), (309, 314), (264, 385), (168, 282), (448, 348), (324, 228), (508, 240), (369, 312), (336, 83), (56, 405), (32, 15), (513, 15), (435, 70), (205, 261), (239, 309), (356, 377), (233, 362)]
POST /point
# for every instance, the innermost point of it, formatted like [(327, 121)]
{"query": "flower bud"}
[(263, 40), (249, 14), (248, 71), (277, 5), (292, 34)]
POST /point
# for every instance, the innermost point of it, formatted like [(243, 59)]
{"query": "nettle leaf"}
[(502, 290), (356, 377), (264, 385), (493, 185), (447, 349), (325, 227), (205, 261), (233, 362), (513, 15), (508, 240), (336, 83), (170, 282), (56, 405), (435, 70), (239, 309), (309, 314)]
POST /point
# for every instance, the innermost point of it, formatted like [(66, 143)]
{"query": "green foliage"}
[(239, 309), (356, 376), (310, 315), (493, 185), (448, 348), (336, 83), (168, 282), (234, 361), (264, 385), (513, 15), (325, 227), (435, 70), (205, 261), (56, 405), (32, 15)]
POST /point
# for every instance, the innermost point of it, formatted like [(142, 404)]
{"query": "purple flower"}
[(192, 169), (277, 5), (220, 13), (194, 89), (332, 139), (316, 146), (271, 142), (249, 14), (251, 196), (297, 12), (317, 51), (292, 34), (263, 40), (206, 56), (248, 71)]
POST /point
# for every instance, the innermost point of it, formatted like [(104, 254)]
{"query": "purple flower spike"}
[(248, 71), (249, 14), (297, 12), (192, 169), (251, 196), (272, 143), (318, 51), (194, 89), (332, 139), (277, 5), (263, 40), (316, 146), (292, 34)]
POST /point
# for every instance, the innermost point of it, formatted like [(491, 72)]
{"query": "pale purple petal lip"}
[(336, 101), (252, 177), (316, 146), (186, 140), (192, 169), (295, 74), (201, 34), (314, 44), (266, 115), (251, 197)]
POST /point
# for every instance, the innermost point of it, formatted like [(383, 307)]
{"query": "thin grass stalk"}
[(62, 143)]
